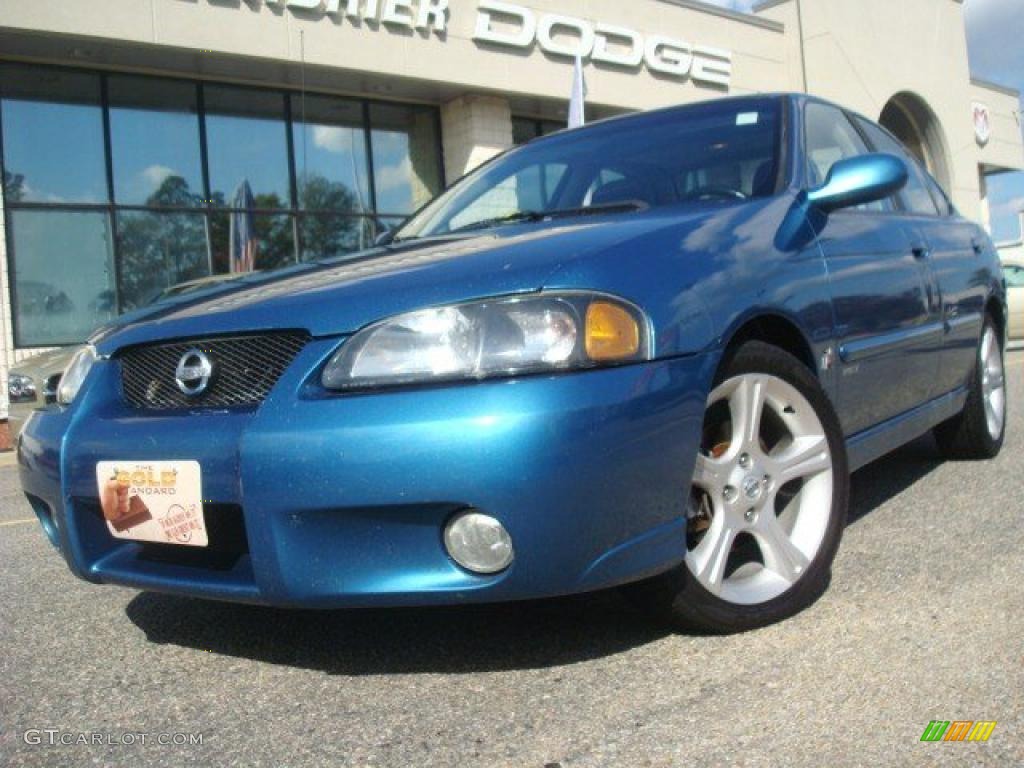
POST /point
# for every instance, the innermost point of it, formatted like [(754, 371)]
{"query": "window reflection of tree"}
[(14, 187), (163, 246), (159, 249), (323, 231)]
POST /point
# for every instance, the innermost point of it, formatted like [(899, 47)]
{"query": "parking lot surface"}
[(924, 621)]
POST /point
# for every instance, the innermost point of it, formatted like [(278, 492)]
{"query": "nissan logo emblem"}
[(193, 373)]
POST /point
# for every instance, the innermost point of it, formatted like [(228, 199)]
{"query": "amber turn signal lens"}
[(612, 332)]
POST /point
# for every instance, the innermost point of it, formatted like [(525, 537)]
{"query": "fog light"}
[(478, 543)]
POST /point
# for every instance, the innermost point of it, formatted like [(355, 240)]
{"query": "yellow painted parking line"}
[(17, 522)]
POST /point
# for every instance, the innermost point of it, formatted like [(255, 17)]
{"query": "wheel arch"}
[(996, 309), (773, 328)]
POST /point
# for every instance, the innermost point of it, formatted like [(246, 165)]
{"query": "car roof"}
[(642, 116)]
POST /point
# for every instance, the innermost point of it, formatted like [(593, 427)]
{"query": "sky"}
[(994, 35)]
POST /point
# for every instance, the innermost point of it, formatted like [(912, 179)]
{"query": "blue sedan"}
[(645, 353)]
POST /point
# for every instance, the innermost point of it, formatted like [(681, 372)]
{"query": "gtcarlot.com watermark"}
[(57, 737)]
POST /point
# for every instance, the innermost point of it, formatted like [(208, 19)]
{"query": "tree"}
[(14, 187)]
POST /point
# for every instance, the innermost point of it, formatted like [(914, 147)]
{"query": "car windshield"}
[(723, 151)]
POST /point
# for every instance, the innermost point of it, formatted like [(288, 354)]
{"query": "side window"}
[(830, 138), (939, 196), (916, 196), (604, 178)]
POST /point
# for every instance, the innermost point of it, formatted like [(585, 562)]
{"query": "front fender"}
[(700, 281)]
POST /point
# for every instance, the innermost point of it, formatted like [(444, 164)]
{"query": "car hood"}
[(328, 299)]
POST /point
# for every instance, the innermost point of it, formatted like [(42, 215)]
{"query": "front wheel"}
[(768, 501)]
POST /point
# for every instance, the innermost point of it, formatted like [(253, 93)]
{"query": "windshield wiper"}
[(521, 217), (497, 221)]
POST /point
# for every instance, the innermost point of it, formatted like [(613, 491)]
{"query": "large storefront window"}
[(331, 155), (53, 137), (119, 187), (332, 168), (68, 282), (154, 138), (241, 241), (158, 249), (406, 163), (248, 147)]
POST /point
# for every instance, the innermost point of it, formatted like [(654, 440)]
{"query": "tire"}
[(721, 588), (977, 432)]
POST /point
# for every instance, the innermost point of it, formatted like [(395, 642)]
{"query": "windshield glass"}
[(726, 150)]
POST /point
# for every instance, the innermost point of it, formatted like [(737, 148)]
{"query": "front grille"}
[(245, 369)]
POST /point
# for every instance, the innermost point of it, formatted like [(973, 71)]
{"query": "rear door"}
[(955, 247), (883, 292)]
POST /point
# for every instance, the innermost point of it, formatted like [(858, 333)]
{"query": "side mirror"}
[(384, 238), (859, 180)]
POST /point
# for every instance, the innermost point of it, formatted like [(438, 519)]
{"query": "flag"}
[(577, 116), (242, 239)]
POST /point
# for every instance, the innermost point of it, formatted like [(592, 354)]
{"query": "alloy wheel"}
[(993, 383), (762, 490)]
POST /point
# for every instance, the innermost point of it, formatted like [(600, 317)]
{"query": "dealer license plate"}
[(159, 501)]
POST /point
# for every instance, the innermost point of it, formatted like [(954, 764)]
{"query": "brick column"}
[(474, 129), (6, 335)]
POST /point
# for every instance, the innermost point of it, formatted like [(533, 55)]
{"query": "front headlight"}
[(495, 337), (20, 388), (73, 376)]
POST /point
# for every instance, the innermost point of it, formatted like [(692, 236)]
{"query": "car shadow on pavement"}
[(873, 485), (463, 639)]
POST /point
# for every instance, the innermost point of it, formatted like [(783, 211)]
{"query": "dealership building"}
[(137, 134)]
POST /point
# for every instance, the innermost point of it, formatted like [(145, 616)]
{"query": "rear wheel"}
[(977, 431), (768, 501)]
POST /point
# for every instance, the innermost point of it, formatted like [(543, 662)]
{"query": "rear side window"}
[(830, 137), (915, 196)]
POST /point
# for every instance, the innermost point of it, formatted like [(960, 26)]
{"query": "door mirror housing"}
[(859, 180)]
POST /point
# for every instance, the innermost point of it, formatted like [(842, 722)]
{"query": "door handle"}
[(921, 251), (977, 246)]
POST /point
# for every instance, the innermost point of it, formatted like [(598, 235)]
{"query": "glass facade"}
[(69, 281), (154, 138), (117, 187), (53, 137)]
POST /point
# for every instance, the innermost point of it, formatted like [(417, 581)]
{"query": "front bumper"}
[(341, 500)]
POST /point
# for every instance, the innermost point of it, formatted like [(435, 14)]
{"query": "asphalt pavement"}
[(924, 621)]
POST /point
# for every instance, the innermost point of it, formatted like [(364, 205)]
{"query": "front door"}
[(956, 249), (885, 303), (886, 314)]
